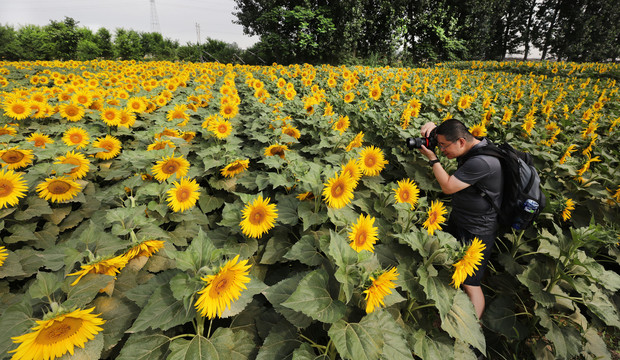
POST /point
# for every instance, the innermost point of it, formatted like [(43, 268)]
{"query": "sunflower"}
[(235, 167), (110, 116), (4, 253), (17, 109), (338, 191), (229, 111), (83, 98), (308, 195), (258, 217), (127, 118), (435, 217), (12, 187), (79, 160), (342, 124), (15, 158), (478, 130), (223, 288), (146, 248), (178, 113), (136, 104), (71, 111), (8, 130), (276, 150), (221, 128), (372, 161), (349, 97), (291, 131), (183, 195), (375, 92), (111, 147), (160, 145), (569, 206), (168, 132), (353, 169), (407, 192), (465, 102), (76, 137), (571, 149), (164, 168), (58, 189), (363, 234), (469, 262), (379, 289), (53, 337), (108, 266), (356, 142), (39, 139)]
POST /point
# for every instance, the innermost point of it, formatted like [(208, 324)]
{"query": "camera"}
[(430, 142)]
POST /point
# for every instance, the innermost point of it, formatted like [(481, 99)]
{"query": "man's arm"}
[(449, 184)]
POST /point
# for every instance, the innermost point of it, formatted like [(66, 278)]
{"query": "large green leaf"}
[(209, 203), (45, 285), (279, 344), (280, 292), (162, 311), (431, 347), (85, 290), (356, 341), (566, 340), (198, 348), (461, 322), (306, 251), (147, 345), (308, 216), (394, 344), (287, 209), (118, 314), (36, 207), (254, 287), (437, 288), (313, 298), (15, 320), (12, 266), (201, 252), (534, 277), (603, 306)]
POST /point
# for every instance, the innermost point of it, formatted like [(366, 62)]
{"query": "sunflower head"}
[(407, 192), (223, 288), (363, 234), (235, 167), (276, 150), (76, 137), (111, 147), (183, 195), (58, 334), (468, 263), (169, 166), (435, 217), (258, 217), (12, 188), (380, 287), (58, 189), (338, 191), (372, 161), (15, 158)]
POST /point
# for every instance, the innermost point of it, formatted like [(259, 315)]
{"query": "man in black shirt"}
[(472, 215)]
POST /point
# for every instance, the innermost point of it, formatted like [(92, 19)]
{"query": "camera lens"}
[(416, 143)]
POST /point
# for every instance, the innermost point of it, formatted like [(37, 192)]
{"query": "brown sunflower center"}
[(82, 99), (110, 115), (360, 238), (39, 142), (4, 132), (370, 161), (337, 190), (404, 194), (107, 145), (12, 156), (18, 109), (135, 105), (257, 216), (72, 110), (159, 146), (6, 188), (170, 167), (76, 138), (228, 110), (183, 194), (59, 331), (277, 151), (235, 167), (222, 128), (432, 217), (220, 285), (58, 187)]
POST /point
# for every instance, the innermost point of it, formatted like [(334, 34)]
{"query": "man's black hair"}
[(453, 130)]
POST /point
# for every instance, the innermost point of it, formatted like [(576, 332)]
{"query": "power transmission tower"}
[(154, 19), (198, 43)]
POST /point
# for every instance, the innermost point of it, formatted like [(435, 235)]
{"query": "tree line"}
[(65, 40), (432, 30), (375, 32)]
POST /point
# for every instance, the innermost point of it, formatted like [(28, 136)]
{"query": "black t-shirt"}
[(469, 209)]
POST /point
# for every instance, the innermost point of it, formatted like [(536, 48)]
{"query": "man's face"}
[(450, 149)]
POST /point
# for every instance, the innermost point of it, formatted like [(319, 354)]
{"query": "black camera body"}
[(430, 142)]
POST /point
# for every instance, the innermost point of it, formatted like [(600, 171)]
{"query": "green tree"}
[(34, 43), (103, 39), (127, 45), (9, 49), (65, 37)]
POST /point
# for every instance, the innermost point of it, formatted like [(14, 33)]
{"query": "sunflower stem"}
[(200, 325), (210, 325), (181, 336)]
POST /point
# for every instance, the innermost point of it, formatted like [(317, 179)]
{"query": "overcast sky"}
[(177, 18)]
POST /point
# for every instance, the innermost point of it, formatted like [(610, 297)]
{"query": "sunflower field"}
[(160, 210)]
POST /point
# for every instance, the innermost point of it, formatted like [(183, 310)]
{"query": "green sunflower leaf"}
[(313, 299), (146, 345)]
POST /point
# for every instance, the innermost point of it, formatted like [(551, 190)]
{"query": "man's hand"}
[(428, 153), (426, 129)]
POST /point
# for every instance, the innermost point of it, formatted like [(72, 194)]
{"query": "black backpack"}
[(523, 198)]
